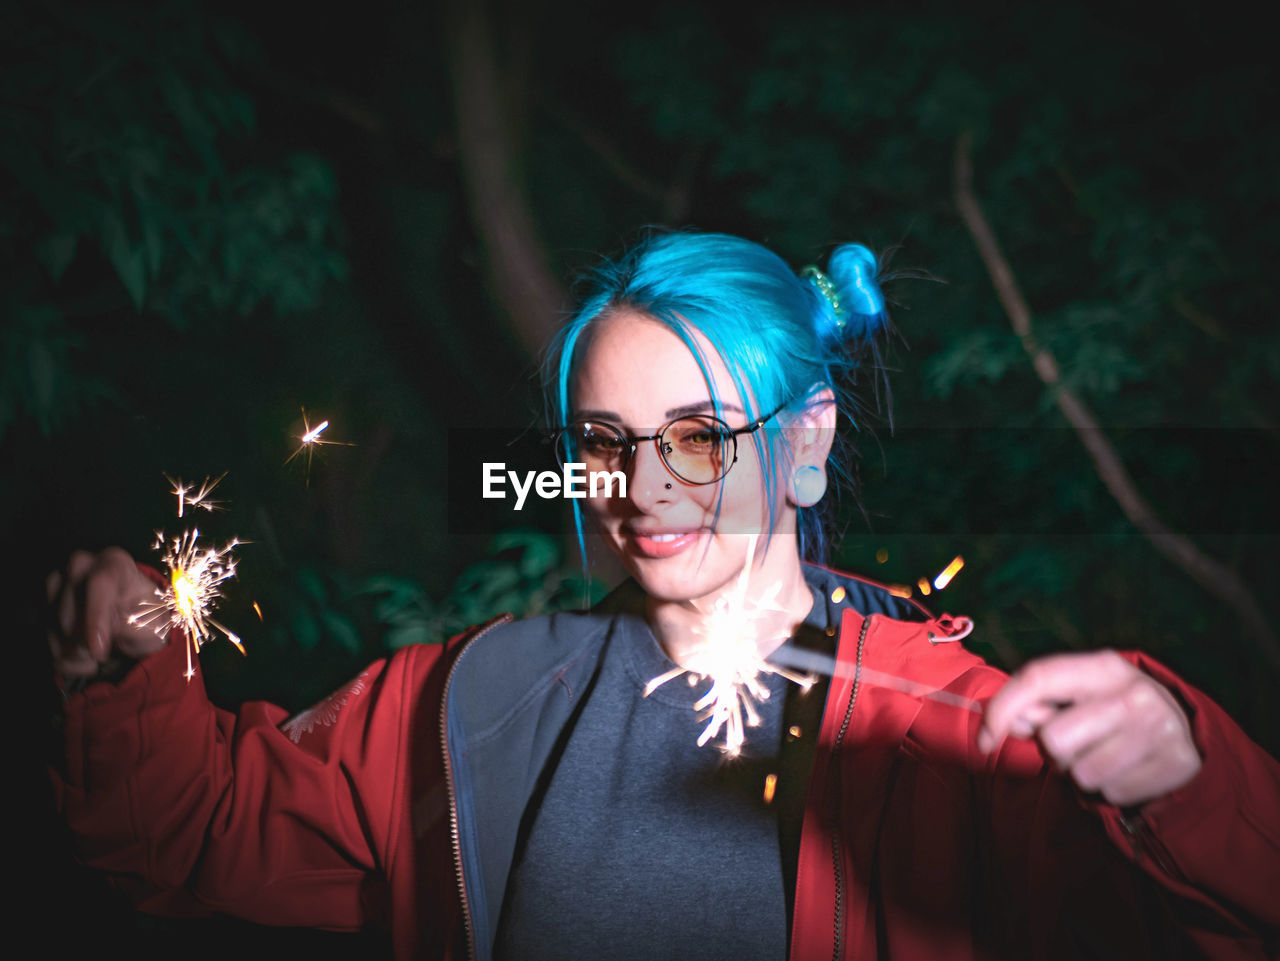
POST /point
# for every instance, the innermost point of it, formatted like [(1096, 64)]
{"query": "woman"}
[(527, 791)]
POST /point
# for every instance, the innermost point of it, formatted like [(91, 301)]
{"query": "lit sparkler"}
[(827, 664), (194, 576), (310, 439), (729, 656)]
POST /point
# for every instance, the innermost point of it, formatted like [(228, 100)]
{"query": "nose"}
[(649, 483)]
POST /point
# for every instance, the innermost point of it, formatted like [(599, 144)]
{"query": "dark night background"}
[(217, 215)]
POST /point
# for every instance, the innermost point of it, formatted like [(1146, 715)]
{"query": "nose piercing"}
[(668, 487)]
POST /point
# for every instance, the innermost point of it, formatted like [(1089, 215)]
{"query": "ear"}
[(812, 430)]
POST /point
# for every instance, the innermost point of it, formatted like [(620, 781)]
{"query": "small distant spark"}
[(313, 435), (948, 572), (310, 439), (729, 655), (196, 496), (770, 787)]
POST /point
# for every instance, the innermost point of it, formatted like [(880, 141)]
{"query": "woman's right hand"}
[(90, 604)]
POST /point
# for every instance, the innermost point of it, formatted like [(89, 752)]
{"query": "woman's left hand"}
[(1114, 729)]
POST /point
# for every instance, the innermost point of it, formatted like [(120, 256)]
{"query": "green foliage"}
[(36, 350), (985, 354), (126, 186), (315, 618), (1128, 206), (522, 575), (326, 613), (151, 201)]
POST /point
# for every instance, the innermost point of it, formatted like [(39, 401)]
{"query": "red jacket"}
[(394, 802)]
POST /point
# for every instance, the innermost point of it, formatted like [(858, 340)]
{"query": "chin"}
[(681, 579)]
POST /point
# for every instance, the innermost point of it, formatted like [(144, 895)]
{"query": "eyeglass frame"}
[(633, 443)]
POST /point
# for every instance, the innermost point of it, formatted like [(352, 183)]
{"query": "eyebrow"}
[(674, 413)]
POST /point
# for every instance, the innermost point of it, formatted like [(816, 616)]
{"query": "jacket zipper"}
[(837, 791), (448, 776), (1139, 834)]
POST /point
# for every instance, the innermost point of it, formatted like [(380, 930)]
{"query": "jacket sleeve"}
[(191, 809), (1198, 872), (1215, 841)]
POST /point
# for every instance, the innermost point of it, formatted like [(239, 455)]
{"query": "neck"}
[(675, 623)]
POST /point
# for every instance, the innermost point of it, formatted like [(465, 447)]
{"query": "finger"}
[(1052, 681), (71, 661), (78, 565), (1032, 717), (52, 586), (1071, 732), (108, 587)]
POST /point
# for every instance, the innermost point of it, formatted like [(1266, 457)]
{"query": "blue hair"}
[(783, 337)]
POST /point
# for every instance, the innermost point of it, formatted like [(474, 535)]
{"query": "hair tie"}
[(828, 290)]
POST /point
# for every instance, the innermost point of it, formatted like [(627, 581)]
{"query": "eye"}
[(698, 436), (598, 439), (701, 438)]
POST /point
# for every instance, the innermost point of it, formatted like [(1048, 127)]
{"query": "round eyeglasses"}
[(697, 449)]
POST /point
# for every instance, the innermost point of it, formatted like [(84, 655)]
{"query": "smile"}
[(663, 544)]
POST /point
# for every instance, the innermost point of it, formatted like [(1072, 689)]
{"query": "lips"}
[(663, 543)]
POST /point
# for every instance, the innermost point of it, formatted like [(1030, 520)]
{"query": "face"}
[(637, 375)]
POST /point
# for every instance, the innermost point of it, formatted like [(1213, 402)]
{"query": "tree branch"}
[(525, 287), (1219, 580)]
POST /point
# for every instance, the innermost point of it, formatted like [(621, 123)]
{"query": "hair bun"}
[(850, 304), (853, 270)]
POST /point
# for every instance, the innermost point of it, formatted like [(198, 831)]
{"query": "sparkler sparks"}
[(194, 575), (729, 656), (196, 497), (310, 439)]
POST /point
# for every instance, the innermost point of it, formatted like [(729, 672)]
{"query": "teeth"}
[(663, 538)]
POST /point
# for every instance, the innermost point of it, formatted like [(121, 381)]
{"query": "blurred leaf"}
[(312, 585), (955, 103), (342, 630), (40, 366), (127, 259), (407, 634), (539, 552), (305, 631), (985, 355), (56, 253)]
